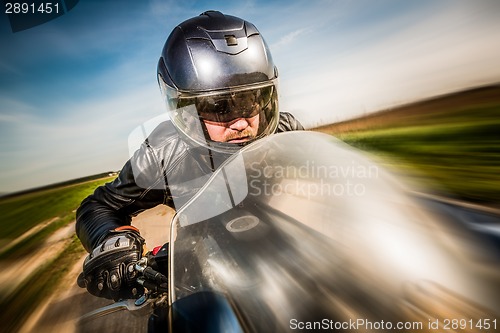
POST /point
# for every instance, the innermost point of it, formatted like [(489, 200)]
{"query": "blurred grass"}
[(21, 213), (455, 145)]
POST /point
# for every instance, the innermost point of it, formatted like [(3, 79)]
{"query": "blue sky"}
[(73, 89)]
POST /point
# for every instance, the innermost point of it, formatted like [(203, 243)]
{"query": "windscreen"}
[(299, 228)]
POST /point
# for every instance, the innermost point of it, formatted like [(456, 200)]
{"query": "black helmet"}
[(216, 69)]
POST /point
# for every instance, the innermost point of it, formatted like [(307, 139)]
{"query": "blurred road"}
[(482, 223)]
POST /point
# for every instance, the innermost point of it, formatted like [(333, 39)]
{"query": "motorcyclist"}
[(219, 83)]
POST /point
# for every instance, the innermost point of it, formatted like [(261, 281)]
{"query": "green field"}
[(23, 212), (451, 142)]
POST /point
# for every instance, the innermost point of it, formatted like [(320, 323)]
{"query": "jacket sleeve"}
[(288, 122), (139, 186)]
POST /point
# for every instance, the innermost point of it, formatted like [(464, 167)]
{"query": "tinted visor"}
[(228, 106)]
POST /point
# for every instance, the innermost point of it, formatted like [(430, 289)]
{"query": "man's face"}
[(235, 131)]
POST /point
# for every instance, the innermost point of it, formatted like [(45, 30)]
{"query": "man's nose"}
[(239, 124)]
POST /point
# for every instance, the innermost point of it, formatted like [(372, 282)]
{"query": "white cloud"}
[(290, 37)]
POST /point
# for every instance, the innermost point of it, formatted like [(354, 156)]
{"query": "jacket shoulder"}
[(287, 122), (163, 134)]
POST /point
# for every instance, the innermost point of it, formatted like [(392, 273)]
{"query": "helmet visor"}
[(193, 113), (232, 105)]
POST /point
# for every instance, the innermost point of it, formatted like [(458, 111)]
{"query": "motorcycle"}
[(300, 232)]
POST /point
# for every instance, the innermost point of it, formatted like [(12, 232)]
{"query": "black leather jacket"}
[(164, 170)]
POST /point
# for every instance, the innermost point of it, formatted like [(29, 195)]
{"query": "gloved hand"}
[(109, 270)]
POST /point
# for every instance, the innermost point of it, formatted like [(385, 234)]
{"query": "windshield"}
[(299, 227)]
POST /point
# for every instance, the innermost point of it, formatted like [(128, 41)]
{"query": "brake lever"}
[(139, 307)]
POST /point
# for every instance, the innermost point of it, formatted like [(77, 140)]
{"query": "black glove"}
[(109, 270)]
